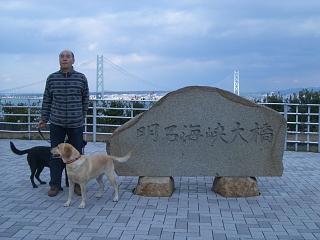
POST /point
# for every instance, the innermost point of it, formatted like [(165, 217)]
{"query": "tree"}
[(302, 98), (274, 98), (20, 108)]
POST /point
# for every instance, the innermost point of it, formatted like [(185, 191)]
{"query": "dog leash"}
[(41, 135)]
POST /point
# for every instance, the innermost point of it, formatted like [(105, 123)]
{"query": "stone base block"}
[(236, 186), (155, 186)]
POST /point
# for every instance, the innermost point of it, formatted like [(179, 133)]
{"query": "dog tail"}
[(122, 159), (17, 151)]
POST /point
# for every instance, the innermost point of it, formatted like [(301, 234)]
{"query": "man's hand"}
[(41, 124)]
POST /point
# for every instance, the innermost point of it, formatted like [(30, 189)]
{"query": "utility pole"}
[(99, 84), (236, 82)]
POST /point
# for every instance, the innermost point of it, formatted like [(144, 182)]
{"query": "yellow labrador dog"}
[(82, 168)]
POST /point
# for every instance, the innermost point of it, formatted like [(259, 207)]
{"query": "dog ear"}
[(67, 151)]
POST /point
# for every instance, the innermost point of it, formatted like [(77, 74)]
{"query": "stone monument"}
[(202, 131)]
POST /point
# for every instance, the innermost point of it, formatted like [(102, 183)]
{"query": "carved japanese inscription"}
[(202, 131), (260, 133)]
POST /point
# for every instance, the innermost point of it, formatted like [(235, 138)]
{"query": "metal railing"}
[(303, 125), (19, 117), (104, 116)]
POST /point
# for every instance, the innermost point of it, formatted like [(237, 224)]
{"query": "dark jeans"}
[(57, 136)]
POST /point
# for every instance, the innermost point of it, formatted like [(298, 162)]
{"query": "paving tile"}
[(288, 207)]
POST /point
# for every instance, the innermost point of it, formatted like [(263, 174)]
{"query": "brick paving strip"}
[(288, 207)]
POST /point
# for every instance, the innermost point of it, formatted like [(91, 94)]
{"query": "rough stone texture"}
[(202, 131), (155, 186), (236, 186)]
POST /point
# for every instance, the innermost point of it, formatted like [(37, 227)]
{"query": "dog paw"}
[(43, 182), (35, 186), (67, 204), (82, 205), (115, 199)]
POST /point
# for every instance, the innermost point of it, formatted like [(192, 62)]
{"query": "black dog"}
[(38, 158)]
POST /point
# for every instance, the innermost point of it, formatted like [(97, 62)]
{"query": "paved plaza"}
[(288, 207)]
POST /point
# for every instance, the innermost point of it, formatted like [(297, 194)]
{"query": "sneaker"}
[(53, 191), (77, 189)]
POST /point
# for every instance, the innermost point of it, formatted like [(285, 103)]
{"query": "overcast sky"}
[(163, 45)]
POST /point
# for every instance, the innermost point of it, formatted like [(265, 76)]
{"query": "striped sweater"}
[(65, 99)]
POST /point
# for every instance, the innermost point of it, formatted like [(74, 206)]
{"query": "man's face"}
[(66, 60)]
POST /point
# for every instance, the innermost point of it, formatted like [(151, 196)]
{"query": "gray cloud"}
[(168, 44)]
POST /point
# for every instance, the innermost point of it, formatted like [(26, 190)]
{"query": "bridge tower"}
[(236, 82), (99, 84)]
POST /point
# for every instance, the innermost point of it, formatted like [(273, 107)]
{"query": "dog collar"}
[(73, 160)]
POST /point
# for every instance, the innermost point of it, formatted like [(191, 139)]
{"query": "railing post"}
[(131, 105), (1, 109), (85, 127), (297, 128), (29, 119), (308, 128), (285, 113), (319, 128), (94, 121)]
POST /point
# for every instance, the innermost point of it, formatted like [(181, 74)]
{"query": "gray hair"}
[(66, 50)]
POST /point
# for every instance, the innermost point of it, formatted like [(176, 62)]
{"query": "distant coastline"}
[(110, 95), (156, 95)]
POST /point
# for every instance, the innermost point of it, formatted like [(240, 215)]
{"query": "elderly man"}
[(65, 103)]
